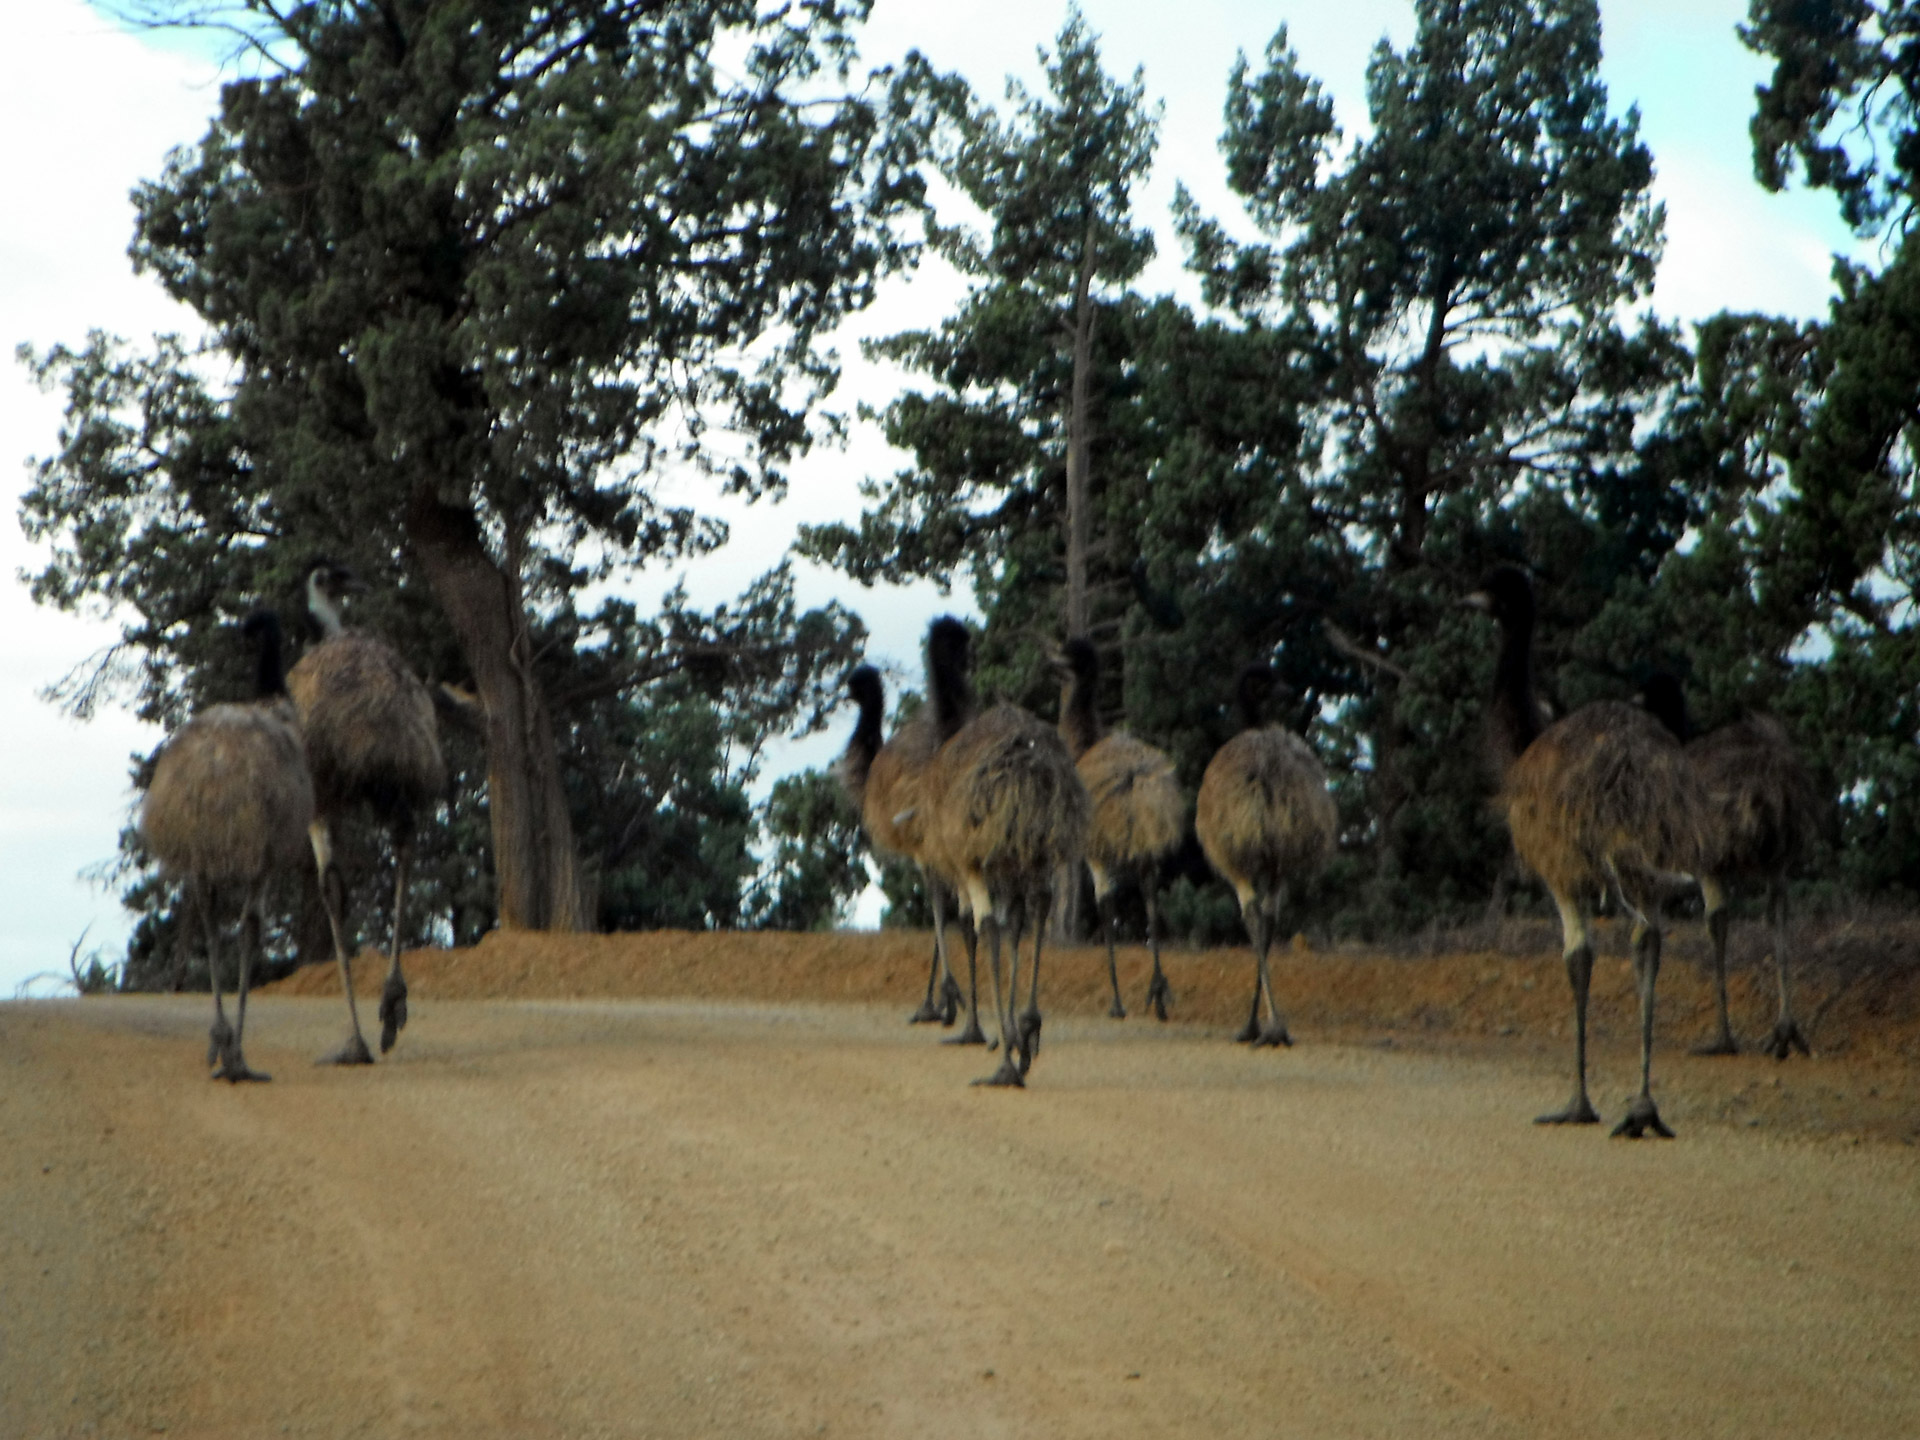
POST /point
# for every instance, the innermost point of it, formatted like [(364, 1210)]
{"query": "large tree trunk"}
[(535, 867)]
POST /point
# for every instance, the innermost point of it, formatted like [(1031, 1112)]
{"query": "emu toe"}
[(1719, 1045), (927, 1014), (971, 1035), (235, 1070), (950, 1001), (1273, 1037), (219, 1037), (1008, 1075), (1249, 1032), (353, 1051), (1579, 1112), (1641, 1120), (393, 1011), (1786, 1039), (1116, 1011), (1159, 996)]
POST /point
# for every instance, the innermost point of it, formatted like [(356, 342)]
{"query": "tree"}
[(1005, 449), (1459, 279), (480, 270)]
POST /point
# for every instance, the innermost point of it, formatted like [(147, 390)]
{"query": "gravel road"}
[(662, 1218)]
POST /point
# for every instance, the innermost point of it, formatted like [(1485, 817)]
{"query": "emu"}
[(1139, 816), (228, 806), (1765, 812), (1265, 820), (372, 740), (1601, 799), (884, 780), (1006, 812)]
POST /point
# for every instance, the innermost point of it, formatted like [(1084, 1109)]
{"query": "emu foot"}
[(1579, 1112), (1249, 1032), (353, 1051), (1723, 1044), (1008, 1075), (393, 1011), (1786, 1039), (1028, 1036), (1642, 1118), (927, 1014), (1116, 1011), (1159, 996), (219, 1039), (972, 1035), (235, 1070), (1273, 1037), (950, 1001)]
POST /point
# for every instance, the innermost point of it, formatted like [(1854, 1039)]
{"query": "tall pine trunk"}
[(1079, 516), (536, 868)]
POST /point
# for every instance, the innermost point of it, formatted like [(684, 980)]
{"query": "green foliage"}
[(819, 861)]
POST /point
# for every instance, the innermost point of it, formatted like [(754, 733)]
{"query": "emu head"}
[(1506, 594), (328, 583)]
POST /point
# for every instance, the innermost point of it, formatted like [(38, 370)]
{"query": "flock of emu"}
[(994, 806)]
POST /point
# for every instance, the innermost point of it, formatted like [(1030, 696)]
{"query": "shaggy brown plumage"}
[(1138, 819), (883, 781), (228, 807), (1266, 822), (1603, 798), (1006, 812), (371, 739), (1764, 812)]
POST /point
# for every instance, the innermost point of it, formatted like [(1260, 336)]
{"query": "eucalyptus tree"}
[(476, 273), (1029, 371), (1460, 277)]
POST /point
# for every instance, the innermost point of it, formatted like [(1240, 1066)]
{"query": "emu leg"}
[(1009, 1072), (1786, 1036), (220, 1034), (1116, 1011), (1718, 922), (393, 995), (971, 1034), (1274, 1033), (1037, 908), (1159, 993), (233, 1060), (947, 1006), (1257, 928), (929, 1012), (352, 1051), (1642, 1116), (1579, 958)]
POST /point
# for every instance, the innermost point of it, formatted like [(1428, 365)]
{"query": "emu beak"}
[(1478, 600)]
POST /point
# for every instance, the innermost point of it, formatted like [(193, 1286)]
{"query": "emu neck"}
[(1515, 718), (269, 678), (321, 606), (865, 744), (1079, 724), (953, 703)]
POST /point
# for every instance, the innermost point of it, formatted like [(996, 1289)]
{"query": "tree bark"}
[(536, 869)]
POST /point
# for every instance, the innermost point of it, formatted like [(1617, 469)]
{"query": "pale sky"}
[(90, 111)]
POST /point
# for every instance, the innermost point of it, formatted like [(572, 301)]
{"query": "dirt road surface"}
[(655, 1217)]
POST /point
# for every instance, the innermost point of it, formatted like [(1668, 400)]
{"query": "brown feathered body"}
[(370, 728), (1005, 808), (1762, 802), (891, 801), (1264, 816), (1608, 786), (1137, 813), (230, 799)]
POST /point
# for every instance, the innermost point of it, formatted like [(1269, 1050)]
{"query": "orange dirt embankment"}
[(1352, 994)]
